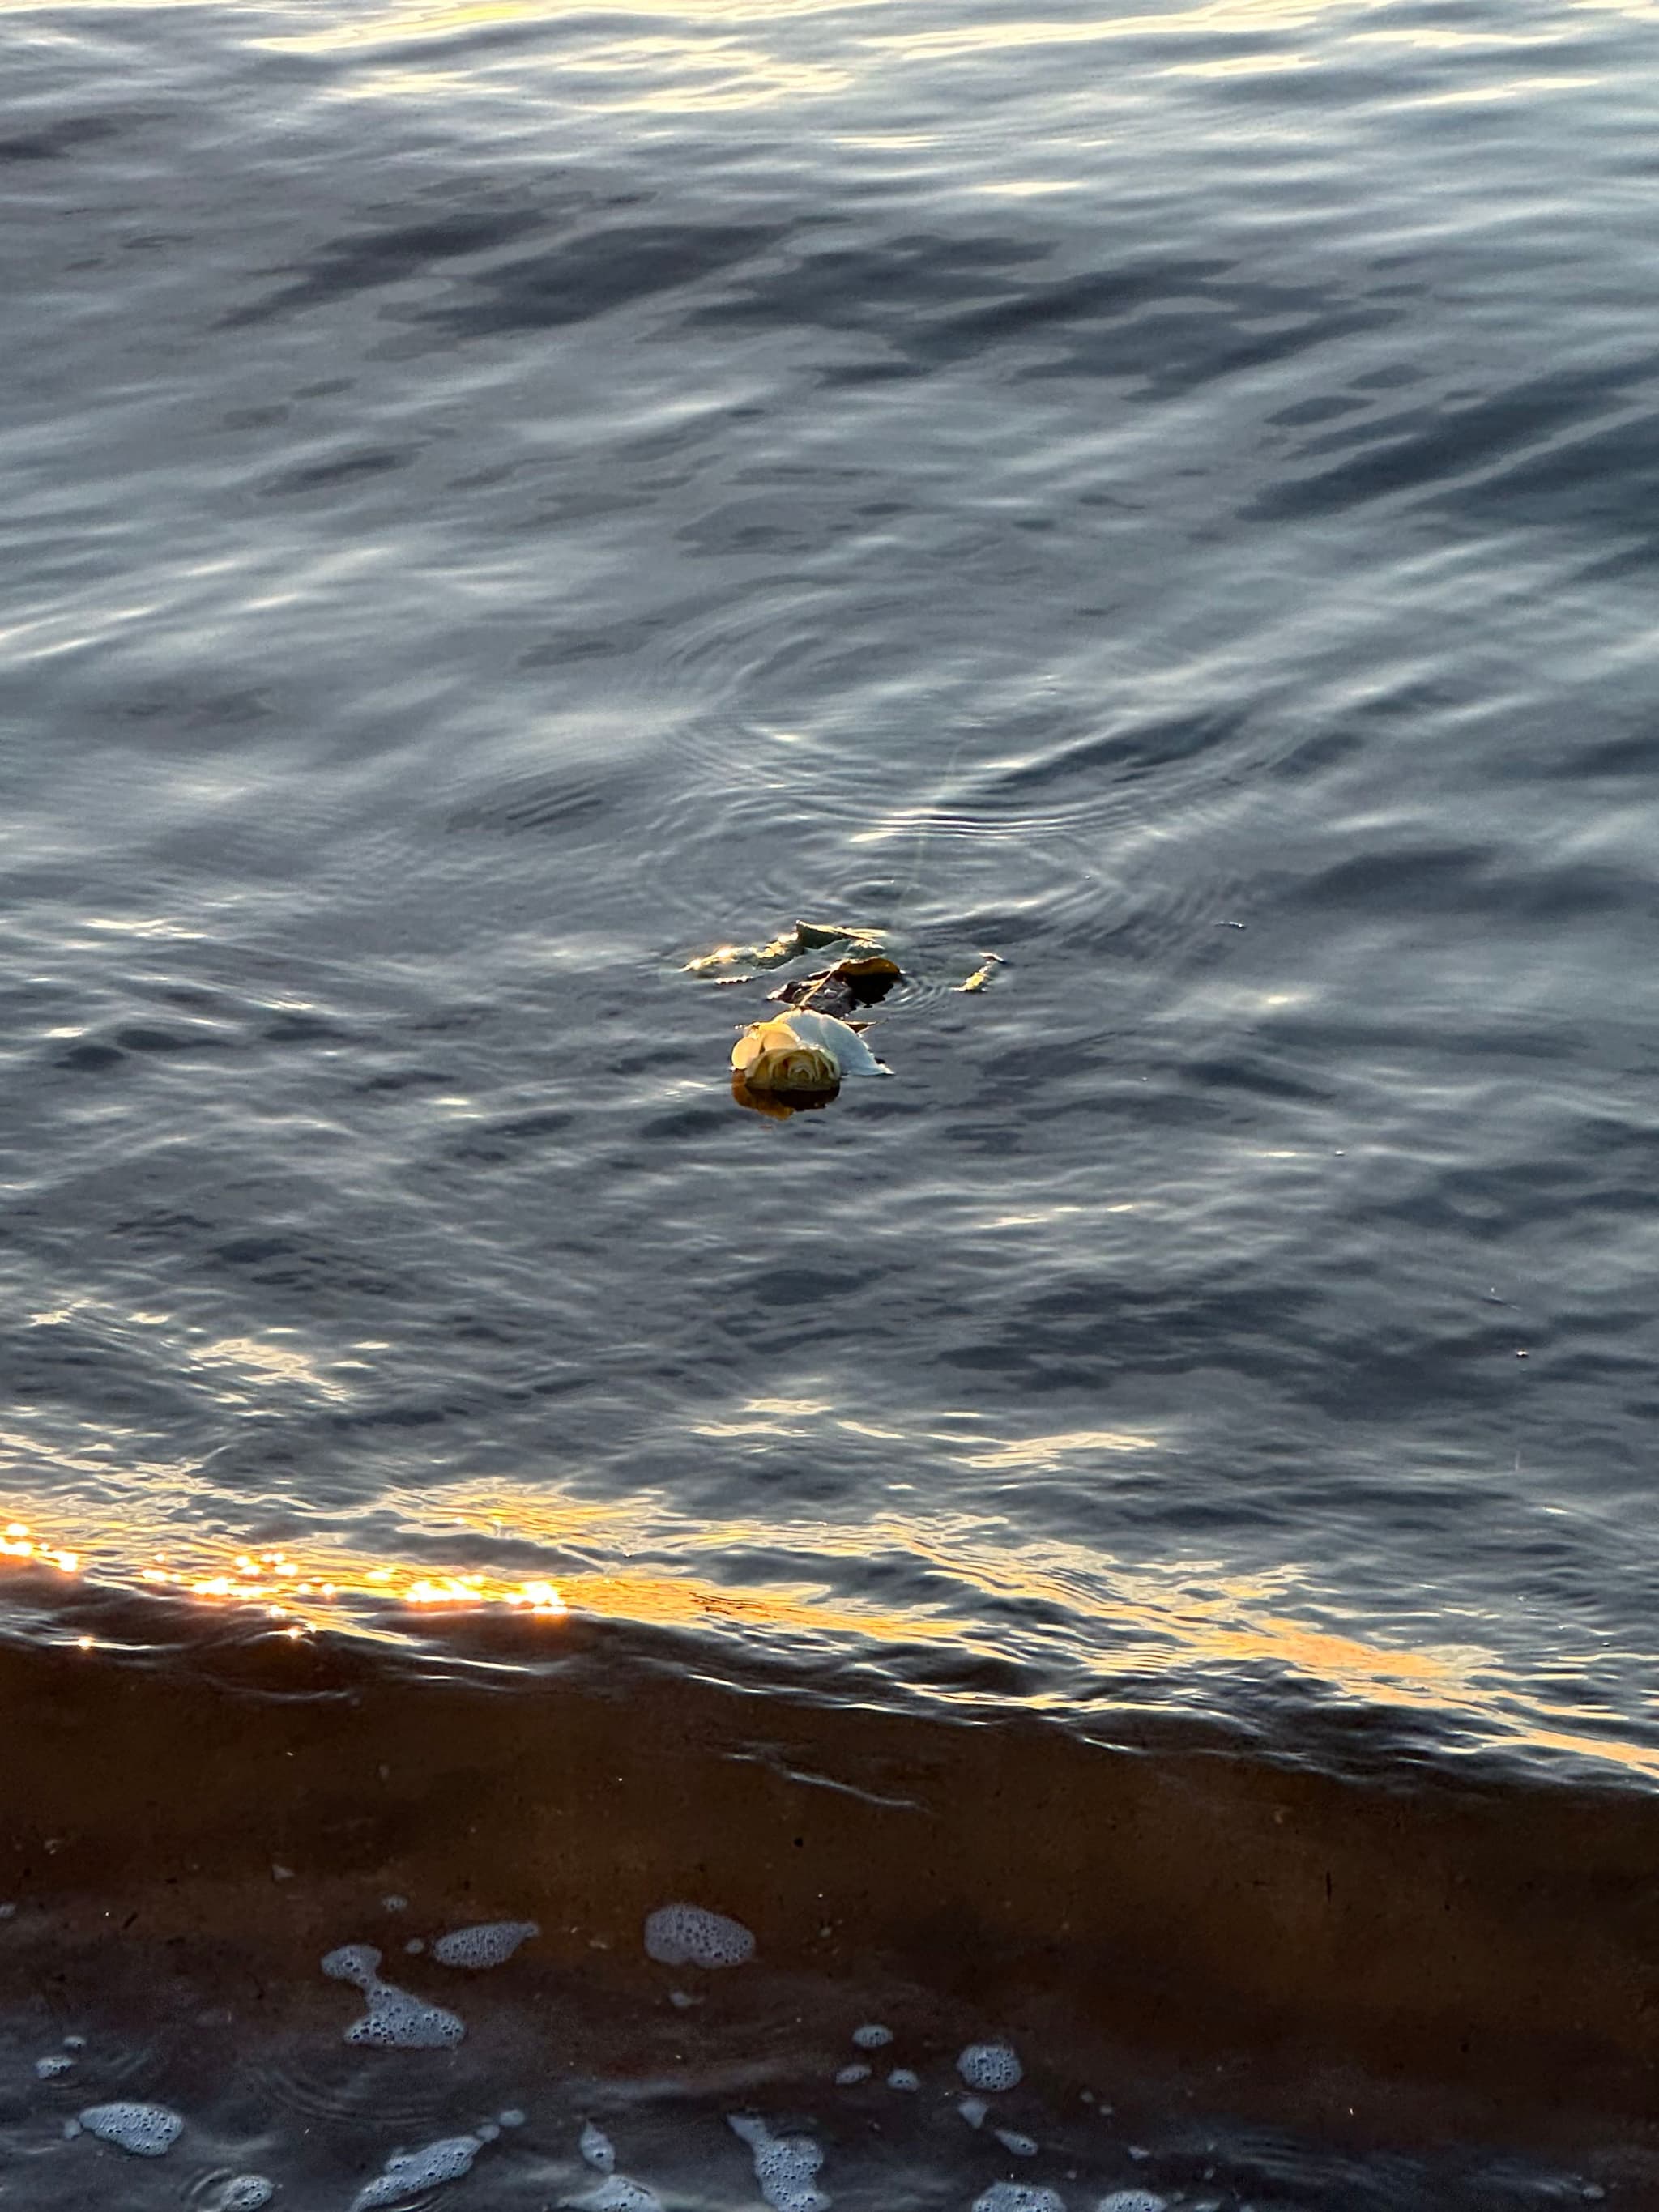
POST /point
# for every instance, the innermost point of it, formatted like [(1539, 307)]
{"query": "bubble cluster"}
[(990, 2067), (351, 1962), (395, 2021), (1019, 2196), (491, 1944), (850, 2076), (1018, 2145), (786, 2167), (902, 2077), (49, 2069), (146, 2131), (691, 1936), (872, 2035), (246, 2192), (409, 2173), (1132, 2200)]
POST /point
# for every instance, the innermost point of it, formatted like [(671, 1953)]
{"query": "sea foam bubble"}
[(245, 2192), (409, 2173), (786, 2167), (395, 2021), (990, 2066), (597, 2148), (491, 1944), (691, 1936), (1132, 2200), (1019, 2196), (146, 2131)]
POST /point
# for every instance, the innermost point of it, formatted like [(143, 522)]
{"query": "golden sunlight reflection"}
[(971, 1588), (1223, 18), (1027, 188), (712, 56), (1042, 1451), (441, 19), (16, 1543), (401, 23)]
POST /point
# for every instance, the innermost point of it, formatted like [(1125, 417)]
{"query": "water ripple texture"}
[(500, 501)]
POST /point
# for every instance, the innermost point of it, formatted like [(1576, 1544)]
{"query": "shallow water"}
[(1226, 1980), (500, 503)]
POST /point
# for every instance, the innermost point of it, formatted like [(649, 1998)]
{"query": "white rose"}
[(770, 1056)]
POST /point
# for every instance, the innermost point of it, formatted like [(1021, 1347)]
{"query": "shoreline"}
[(1476, 1961)]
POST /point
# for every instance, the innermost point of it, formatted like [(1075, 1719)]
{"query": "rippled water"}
[(500, 503)]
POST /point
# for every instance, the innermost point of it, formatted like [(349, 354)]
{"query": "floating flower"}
[(802, 1052)]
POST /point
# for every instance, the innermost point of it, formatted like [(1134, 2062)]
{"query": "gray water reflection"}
[(500, 501)]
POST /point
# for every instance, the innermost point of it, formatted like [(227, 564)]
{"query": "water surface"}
[(501, 502)]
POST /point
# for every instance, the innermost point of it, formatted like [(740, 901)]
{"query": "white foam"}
[(395, 2021), (491, 1944), (616, 2193), (1021, 2146), (146, 2131), (1019, 2196), (849, 2075), (49, 2069), (511, 2117), (1132, 2200), (351, 1962), (597, 2148), (990, 2066), (691, 1936), (973, 2110), (394, 1904), (872, 2035), (75, 2043), (488, 2131), (785, 2166), (902, 2078), (8, 1911), (409, 2171), (681, 2000), (414, 1946), (247, 2193)]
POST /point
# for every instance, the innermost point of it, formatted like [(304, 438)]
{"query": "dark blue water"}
[(500, 503)]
